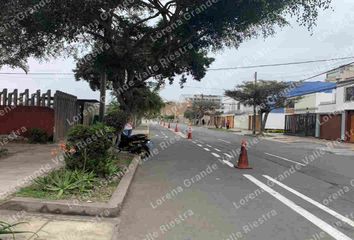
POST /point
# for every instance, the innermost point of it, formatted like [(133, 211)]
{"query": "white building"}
[(240, 116), (302, 117), (336, 118)]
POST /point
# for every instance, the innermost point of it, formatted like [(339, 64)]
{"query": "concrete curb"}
[(67, 207), (179, 133)]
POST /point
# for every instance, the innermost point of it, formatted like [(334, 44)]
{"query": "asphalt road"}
[(189, 190)]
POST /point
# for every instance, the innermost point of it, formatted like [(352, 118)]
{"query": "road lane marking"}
[(193, 142), (229, 164), (228, 155), (209, 145), (216, 155), (285, 159), (218, 150), (199, 145), (207, 149), (317, 204), (224, 141), (303, 212)]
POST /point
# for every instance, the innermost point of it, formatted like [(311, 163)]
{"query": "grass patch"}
[(101, 191), (275, 131)]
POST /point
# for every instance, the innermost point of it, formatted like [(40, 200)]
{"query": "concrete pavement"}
[(24, 163), (50, 227), (187, 191)]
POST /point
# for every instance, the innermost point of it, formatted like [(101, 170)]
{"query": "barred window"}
[(349, 94)]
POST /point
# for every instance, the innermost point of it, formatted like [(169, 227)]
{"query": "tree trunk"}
[(264, 121), (103, 86)]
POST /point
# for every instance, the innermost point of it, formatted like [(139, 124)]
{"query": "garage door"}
[(331, 127)]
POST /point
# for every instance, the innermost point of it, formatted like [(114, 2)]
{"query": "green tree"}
[(148, 39), (190, 114), (152, 104), (266, 95), (200, 108)]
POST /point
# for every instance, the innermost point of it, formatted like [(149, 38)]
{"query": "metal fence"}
[(301, 124), (65, 108)]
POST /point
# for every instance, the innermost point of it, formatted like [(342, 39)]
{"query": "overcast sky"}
[(333, 37)]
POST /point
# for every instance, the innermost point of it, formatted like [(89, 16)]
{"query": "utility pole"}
[(254, 105), (103, 95)]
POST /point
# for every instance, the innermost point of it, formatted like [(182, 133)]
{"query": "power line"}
[(302, 80), (280, 64), (38, 73), (320, 74), (211, 69)]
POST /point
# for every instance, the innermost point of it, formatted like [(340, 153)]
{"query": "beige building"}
[(341, 74)]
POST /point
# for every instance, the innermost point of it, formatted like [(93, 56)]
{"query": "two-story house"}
[(302, 116), (336, 118)]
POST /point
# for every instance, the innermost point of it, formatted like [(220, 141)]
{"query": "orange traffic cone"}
[(189, 136), (176, 129), (243, 159)]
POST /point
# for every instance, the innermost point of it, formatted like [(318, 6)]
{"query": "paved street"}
[(189, 190)]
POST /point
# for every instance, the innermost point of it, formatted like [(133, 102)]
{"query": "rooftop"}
[(312, 87)]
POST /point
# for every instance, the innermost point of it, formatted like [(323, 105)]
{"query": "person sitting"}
[(128, 129)]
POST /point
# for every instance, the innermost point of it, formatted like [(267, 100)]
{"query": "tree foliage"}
[(133, 41), (200, 108), (266, 95), (140, 33)]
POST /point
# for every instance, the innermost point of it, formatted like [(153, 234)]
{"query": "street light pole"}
[(254, 105)]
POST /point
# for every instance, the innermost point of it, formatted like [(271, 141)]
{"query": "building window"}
[(349, 94)]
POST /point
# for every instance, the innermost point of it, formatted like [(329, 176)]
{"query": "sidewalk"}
[(24, 162), (49, 227)]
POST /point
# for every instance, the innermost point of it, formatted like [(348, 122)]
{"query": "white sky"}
[(333, 37)]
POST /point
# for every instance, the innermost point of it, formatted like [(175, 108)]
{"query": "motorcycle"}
[(136, 144)]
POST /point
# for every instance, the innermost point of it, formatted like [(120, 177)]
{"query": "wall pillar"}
[(344, 125), (318, 125)]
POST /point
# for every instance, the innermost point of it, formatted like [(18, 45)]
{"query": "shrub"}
[(89, 148), (111, 168), (64, 182), (37, 135), (116, 119)]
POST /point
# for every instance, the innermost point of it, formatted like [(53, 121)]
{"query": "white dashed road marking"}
[(209, 145), (218, 150), (303, 212), (285, 159), (228, 155), (216, 155), (199, 145), (224, 141), (207, 149), (317, 204), (229, 164)]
